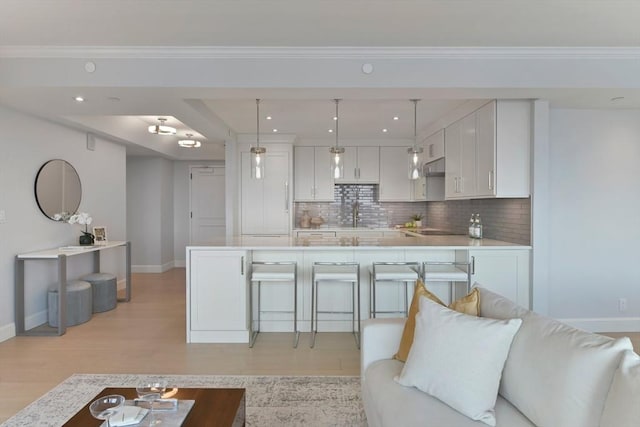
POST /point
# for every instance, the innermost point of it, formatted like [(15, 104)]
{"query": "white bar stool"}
[(274, 272), (404, 272), (451, 272), (348, 272)]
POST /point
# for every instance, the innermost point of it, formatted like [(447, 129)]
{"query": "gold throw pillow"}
[(469, 304)]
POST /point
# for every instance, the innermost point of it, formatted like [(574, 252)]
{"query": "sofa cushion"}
[(469, 304), (439, 362), (496, 306), (622, 408), (558, 375), (388, 404)]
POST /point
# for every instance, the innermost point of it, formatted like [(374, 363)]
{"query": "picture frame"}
[(100, 235)]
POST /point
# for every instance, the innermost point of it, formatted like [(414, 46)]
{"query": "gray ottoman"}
[(79, 306), (105, 288)]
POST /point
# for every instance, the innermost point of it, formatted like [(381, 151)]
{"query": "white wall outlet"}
[(622, 305), (3, 216)]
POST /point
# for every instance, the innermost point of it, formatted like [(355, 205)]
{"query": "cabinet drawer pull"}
[(242, 266), (473, 265)]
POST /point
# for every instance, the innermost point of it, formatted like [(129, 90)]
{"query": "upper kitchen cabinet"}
[(395, 185), (265, 202), (361, 165), (487, 152), (434, 147), (312, 174)]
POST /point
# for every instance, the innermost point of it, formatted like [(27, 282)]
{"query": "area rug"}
[(270, 400)]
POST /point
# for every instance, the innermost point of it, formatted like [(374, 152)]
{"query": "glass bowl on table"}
[(105, 407), (149, 393)]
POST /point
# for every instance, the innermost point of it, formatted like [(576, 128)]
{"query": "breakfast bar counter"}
[(218, 277)]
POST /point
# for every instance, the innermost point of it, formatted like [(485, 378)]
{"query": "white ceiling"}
[(122, 112)]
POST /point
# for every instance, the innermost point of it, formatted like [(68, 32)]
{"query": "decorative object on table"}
[(100, 235), (417, 220), (105, 407), (82, 218), (317, 221), (305, 219)]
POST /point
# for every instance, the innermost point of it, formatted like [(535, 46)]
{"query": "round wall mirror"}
[(58, 189)]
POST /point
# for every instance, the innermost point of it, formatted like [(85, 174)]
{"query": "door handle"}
[(490, 180), (473, 265), (242, 266), (286, 196)]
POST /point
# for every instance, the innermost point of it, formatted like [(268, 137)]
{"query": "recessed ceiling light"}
[(79, 99), (335, 118), (275, 130), (330, 130), (385, 130), (268, 117), (395, 117)]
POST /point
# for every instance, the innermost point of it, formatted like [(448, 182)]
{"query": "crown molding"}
[(268, 52)]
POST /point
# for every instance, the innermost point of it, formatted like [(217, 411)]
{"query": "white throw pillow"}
[(623, 402), (559, 376), (458, 359)]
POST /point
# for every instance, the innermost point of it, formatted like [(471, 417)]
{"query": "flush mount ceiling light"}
[(414, 152), (162, 129), (189, 142), (257, 152), (337, 164)]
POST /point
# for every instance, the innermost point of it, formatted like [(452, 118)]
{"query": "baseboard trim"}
[(152, 268), (605, 324), (7, 332), (181, 263)]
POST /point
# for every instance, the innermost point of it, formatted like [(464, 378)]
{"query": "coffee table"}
[(213, 407)]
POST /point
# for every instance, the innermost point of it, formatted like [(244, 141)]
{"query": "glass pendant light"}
[(257, 152), (415, 167), (337, 158)]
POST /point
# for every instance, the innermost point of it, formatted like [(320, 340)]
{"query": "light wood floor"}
[(147, 335)]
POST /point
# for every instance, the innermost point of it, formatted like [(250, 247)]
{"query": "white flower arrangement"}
[(82, 218)]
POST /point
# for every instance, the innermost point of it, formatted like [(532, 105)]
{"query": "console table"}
[(60, 255)]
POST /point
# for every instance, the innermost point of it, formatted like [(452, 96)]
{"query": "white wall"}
[(594, 200), (150, 213), (26, 144)]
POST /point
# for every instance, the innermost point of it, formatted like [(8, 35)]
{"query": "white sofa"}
[(554, 375)]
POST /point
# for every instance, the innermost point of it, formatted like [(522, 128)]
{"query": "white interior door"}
[(207, 204)]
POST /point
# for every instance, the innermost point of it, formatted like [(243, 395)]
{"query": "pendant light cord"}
[(258, 123), (415, 123), (337, 121)]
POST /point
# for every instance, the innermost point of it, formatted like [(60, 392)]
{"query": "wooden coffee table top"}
[(214, 407)]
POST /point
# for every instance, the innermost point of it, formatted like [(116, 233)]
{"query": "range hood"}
[(434, 169)]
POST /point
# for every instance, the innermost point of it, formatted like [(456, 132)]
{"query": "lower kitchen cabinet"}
[(217, 296), (505, 272)]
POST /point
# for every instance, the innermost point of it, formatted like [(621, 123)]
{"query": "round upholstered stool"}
[(79, 307), (105, 288)]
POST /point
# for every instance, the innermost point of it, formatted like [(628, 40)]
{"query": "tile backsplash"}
[(373, 213), (502, 219)]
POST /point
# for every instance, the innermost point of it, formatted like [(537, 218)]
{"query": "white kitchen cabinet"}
[(217, 296), (434, 146), (361, 166), (312, 174), (505, 272), (487, 152), (395, 185), (265, 202)]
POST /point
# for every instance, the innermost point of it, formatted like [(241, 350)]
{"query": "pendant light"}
[(337, 158), (189, 142), (415, 167), (162, 129), (257, 152)]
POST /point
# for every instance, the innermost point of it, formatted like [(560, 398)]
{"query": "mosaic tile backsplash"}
[(502, 219)]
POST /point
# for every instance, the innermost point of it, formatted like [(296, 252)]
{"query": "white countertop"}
[(369, 243)]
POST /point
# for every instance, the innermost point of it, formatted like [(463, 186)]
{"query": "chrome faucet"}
[(356, 209)]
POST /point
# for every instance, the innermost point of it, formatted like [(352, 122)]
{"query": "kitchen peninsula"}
[(218, 277)]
